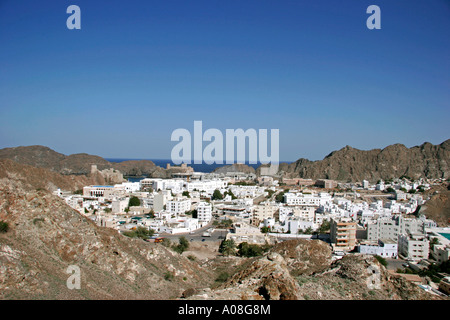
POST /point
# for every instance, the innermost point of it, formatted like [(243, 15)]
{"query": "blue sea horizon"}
[(203, 167)]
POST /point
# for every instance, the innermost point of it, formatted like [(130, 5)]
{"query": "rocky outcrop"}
[(32, 178), (301, 270), (237, 167), (438, 208), (81, 163), (350, 164), (304, 256), (46, 236)]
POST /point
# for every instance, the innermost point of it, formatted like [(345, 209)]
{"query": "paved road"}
[(394, 264), (217, 235)]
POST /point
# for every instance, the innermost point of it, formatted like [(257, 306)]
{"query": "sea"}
[(203, 167)]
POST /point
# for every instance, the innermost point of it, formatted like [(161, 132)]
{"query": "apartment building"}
[(263, 211), (96, 191), (440, 253), (178, 205), (413, 246), (204, 212), (119, 205), (307, 199), (392, 227), (306, 213), (343, 234)]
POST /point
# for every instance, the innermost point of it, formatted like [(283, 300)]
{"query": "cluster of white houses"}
[(384, 227)]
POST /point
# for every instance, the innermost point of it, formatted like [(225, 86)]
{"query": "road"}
[(394, 264), (217, 235)]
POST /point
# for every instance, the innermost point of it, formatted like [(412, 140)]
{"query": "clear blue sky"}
[(137, 70)]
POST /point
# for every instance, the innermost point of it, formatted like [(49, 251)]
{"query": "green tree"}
[(265, 229), (280, 197), (168, 276), (231, 194), (217, 195), (186, 194), (433, 242), (249, 250), (324, 227), (227, 247), (270, 193), (134, 202), (182, 246), (151, 214), (140, 232), (4, 226)]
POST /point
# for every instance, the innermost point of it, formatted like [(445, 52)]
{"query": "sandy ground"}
[(203, 250)]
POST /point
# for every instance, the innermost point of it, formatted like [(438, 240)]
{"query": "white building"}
[(204, 212), (384, 248), (119, 205), (365, 184), (178, 205), (307, 199), (129, 187), (392, 227), (413, 246)]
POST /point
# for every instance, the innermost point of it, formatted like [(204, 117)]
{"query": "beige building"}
[(304, 212), (263, 211), (327, 184), (343, 234), (444, 285), (440, 253), (298, 182), (413, 246)]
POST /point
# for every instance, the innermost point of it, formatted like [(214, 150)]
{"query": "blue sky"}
[(137, 70)]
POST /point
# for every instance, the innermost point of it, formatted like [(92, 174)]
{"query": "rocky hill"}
[(350, 164), (44, 179), (79, 164), (237, 167), (303, 270), (438, 207), (46, 236)]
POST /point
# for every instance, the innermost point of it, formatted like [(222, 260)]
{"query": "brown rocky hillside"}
[(394, 161), (45, 236), (78, 164), (303, 270)]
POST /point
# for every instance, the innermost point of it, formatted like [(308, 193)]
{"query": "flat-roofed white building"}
[(307, 199), (204, 212), (129, 187), (96, 191), (306, 213), (413, 246), (178, 205), (119, 205), (384, 248)]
